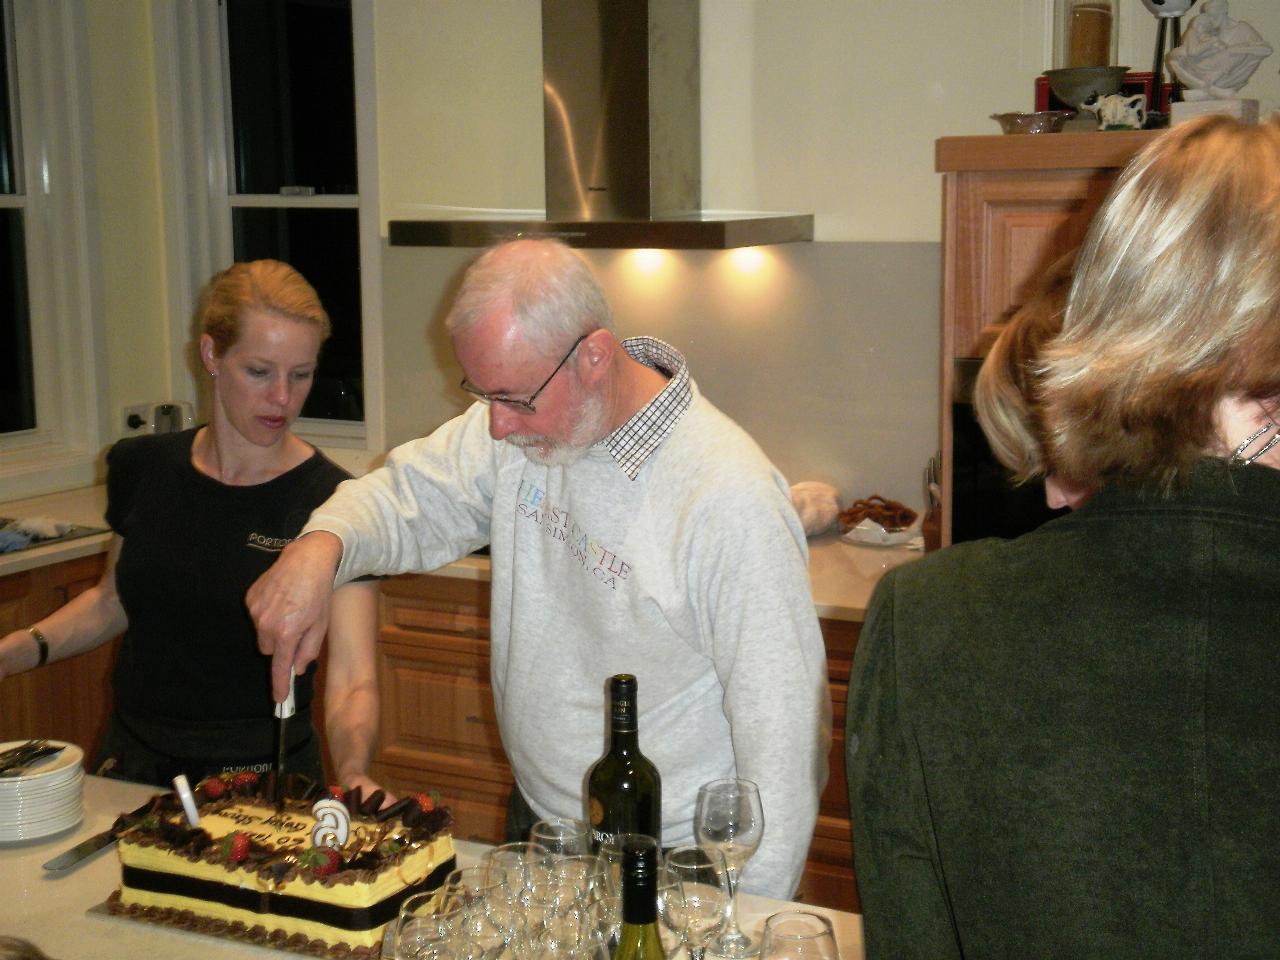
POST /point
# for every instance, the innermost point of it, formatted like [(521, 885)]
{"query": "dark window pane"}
[(8, 173), (17, 383), (292, 95), (324, 246)]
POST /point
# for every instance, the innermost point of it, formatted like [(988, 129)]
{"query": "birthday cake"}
[(289, 874)]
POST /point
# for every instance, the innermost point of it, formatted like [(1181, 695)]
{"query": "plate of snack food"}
[(879, 522)]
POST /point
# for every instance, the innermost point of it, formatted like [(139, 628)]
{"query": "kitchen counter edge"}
[(842, 575)]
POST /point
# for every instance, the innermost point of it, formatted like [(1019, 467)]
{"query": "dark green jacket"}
[(1068, 745)]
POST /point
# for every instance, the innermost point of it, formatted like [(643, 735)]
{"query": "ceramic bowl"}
[(1075, 85), (1046, 121)]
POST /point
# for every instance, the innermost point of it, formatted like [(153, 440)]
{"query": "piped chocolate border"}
[(282, 904)]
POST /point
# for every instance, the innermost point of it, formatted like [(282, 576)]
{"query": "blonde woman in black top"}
[(197, 517)]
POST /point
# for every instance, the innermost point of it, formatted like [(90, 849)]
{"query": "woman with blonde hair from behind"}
[(1007, 392), (1057, 745)]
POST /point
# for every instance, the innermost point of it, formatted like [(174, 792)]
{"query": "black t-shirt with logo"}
[(192, 548)]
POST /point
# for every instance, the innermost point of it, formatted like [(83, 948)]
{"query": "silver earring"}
[(1237, 456)]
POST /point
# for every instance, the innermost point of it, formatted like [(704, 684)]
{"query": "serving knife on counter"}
[(86, 848)]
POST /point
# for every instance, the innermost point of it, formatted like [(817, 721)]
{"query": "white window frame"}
[(196, 146), (54, 145)]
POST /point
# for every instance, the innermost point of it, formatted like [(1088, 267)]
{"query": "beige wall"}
[(823, 106), (126, 182), (827, 353)]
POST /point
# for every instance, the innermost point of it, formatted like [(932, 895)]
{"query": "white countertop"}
[(50, 909), (842, 574)]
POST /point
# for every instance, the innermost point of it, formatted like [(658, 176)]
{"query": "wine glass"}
[(561, 836), (428, 926), (728, 817), (604, 919), (698, 896), (523, 863), (798, 935), (585, 872), (487, 923)]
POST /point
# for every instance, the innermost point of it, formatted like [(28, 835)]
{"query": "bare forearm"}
[(351, 689), (88, 621), (351, 725)]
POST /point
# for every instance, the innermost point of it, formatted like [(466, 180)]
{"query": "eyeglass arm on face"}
[(524, 405)]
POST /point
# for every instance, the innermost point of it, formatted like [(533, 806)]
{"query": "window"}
[(274, 119), (293, 131), (51, 427), (17, 382)]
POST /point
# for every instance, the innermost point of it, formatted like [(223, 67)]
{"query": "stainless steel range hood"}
[(622, 140)]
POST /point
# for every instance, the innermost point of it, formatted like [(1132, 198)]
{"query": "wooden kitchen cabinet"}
[(1011, 206), (68, 700), (439, 729)]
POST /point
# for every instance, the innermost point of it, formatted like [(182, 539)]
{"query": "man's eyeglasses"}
[(524, 405)]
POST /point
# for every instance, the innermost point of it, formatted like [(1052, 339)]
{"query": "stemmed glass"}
[(561, 836), (488, 922), (523, 863), (428, 927), (798, 935), (604, 917), (697, 897), (728, 817)]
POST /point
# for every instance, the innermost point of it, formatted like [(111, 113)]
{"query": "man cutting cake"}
[(632, 528)]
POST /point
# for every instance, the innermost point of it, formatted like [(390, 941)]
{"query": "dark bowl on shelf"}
[(1075, 85)]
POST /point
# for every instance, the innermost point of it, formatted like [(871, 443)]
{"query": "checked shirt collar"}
[(633, 442)]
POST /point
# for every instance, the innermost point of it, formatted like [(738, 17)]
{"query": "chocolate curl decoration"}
[(397, 808)]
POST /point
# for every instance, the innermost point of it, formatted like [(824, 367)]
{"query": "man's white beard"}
[(589, 429)]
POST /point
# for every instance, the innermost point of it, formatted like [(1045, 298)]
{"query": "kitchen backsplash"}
[(827, 353)]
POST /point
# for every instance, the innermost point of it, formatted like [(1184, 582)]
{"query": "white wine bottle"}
[(638, 939), (624, 790)]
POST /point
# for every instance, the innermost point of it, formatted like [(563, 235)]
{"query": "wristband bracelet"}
[(41, 644)]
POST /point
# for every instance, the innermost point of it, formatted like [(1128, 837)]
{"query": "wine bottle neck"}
[(640, 902), (622, 721), (624, 741)]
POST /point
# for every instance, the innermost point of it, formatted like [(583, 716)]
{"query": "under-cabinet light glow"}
[(747, 260), (648, 261)]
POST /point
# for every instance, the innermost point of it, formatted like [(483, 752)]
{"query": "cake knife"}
[(284, 710), (93, 844)]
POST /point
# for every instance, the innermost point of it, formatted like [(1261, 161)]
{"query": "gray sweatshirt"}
[(692, 576)]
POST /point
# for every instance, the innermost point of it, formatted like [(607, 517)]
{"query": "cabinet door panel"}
[(68, 700), (430, 708), (1001, 234), (476, 795)]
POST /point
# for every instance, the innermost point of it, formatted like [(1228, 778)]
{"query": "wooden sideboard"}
[(1011, 206), (439, 729)]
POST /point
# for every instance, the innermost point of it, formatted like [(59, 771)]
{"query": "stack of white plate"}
[(45, 798)]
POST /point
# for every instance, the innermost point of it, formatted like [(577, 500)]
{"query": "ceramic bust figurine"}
[(1218, 55)]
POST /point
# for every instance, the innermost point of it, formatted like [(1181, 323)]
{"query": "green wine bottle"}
[(624, 790), (639, 938)]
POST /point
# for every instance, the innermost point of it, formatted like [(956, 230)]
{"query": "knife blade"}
[(86, 848), (284, 710)]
